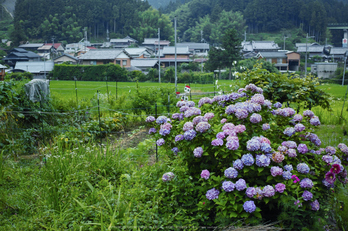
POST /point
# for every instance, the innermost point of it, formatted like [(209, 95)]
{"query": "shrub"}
[(251, 159)]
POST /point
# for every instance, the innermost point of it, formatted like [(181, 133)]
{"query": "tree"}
[(231, 43), (216, 57)]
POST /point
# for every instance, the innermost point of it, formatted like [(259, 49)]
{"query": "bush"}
[(250, 159)]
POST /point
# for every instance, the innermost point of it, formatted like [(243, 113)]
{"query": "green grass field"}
[(336, 90)]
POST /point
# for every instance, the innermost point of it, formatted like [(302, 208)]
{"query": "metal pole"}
[(107, 88), (159, 59), (99, 119), (306, 57), (344, 69), (77, 102), (176, 75)]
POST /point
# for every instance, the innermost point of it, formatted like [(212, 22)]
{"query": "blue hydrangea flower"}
[(228, 186), (238, 164), (288, 167), (262, 160), (231, 173), (249, 206), (287, 175), (189, 135), (248, 159)]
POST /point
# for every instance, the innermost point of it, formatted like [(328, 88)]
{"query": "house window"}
[(279, 60), (124, 62), (118, 62), (93, 62)]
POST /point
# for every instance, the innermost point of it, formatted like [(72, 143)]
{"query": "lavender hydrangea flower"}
[(265, 127), (253, 144), (307, 196), (228, 126), (228, 186), (166, 126), (266, 148), (306, 183), (187, 126), (152, 130), (232, 144), (248, 159), (251, 192), (204, 100), (289, 144), (192, 111), (315, 205), (160, 142), (161, 120), (282, 148), (241, 113), (212, 194), (199, 119), (184, 108), (262, 161), (230, 109), (178, 116), (277, 105), (164, 132), (288, 167), (280, 187), (315, 121), (240, 184), (276, 171), (287, 175), (202, 127), (268, 191), (302, 148), (298, 118), (231, 173), (303, 168), (238, 164), (209, 115), (330, 150), (278, 157), (220, 135), (256, 107), (217, 142), (179, 138), (181, 103), (258, 98), (327, 184), (289, 131), (190, 103), (308, 113), (291, 152), (175, 150), (299, 127), (168, 176), (223, 121), (249, 206), (205, 174), (255, 118), (197, 152), (150, 119), (189, 135), (239, 128)]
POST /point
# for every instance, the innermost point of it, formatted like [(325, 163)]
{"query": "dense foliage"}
[(248, 158)]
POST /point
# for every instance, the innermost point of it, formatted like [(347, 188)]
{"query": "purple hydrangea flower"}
[(223, 121), (315, 121), (258, 98), (168, 176), (181, 103), (289, 131), (231, 173), (288, 167), (164, 132), (308, 113), (175, 150), (291, 152), (287, 175), (239, 128), (327, 184), (190, 103), (209, 115), (228, 186), (251, 192), (166, 126), (265, 127), (254, 144), (217, 142), (278, 157), (262, 161), (204, 100), (150, 119), (280, 187), (256, 107), (192, 111), (202, 127), (240, 184), (302, 148), (303, 168), (184, 108), (268, 191), (315, 205), (241, 113), (228, 126), (179, 138), (282, 148), (266, 148), (314, 139), (255, 118), (248, 159), (212, 194), (220, 135), (330, 150), (160, 142), (276, 171), (205, 174), (161, 120), (298, 118), (199, 119), (277, 105), (249, 206), (306, 183), (238, 164), (178, 116), (229, 132), (152, 130), (232, 144), (188, 126), (289, 144), (299, 127), (307, 196), (189, 135), (197, 152)]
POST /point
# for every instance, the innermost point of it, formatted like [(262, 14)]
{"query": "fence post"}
[(77, 102), (116, 87), (345, 96), (107, 88), (99, 119), (156, 142)]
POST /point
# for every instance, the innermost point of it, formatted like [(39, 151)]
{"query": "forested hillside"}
[(198, 20)]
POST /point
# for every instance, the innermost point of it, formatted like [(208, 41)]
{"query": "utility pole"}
[(176, 65), (159, 59), (306, 56), (284, 41)]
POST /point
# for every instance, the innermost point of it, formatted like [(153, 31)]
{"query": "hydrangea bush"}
[(248, 155)]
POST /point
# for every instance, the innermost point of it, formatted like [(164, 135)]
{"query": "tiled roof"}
[(316, 49), (338, 50), (101, 54), (56, 45), (194, 45), (275, 54), (35, 67), (144, 62), (179, 50), (72, 57)]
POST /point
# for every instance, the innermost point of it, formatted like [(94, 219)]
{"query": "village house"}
[(144, 64), (152, 43), (312, 50), (20, 55), (259, 46), (38, 69), (122, 43), (65, 58), (324, 70), (283, 60), (105, 56), (31, 46), (168, 56), (195, 48), (139, 52)]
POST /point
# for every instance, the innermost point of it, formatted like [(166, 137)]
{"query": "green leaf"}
[(233, 214)]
